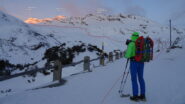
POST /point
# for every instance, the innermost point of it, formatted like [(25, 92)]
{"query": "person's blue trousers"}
[(136, 71)]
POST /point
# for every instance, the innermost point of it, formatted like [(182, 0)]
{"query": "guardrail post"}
[(102, 60), (87, 63), (117, 55), (121, 54), (57, 73), (110, 56)]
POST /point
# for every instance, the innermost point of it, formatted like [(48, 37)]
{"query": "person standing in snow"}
[(136, 69)]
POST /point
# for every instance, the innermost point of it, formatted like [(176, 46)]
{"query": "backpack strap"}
[(139, 48), (151, 43)]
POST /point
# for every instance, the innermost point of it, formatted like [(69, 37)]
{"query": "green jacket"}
[(131, 49)]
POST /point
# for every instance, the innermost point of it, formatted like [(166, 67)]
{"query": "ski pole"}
[(120, 89), (125, 82)]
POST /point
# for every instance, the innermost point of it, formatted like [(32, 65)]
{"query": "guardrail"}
[(57, 72), (58, 65)]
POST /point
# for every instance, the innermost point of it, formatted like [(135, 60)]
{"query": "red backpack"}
[(144, 49)]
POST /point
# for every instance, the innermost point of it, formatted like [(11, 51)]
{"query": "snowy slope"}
[(122, 24), (30, 41), (164, 78), (17, 40), (113, 30)]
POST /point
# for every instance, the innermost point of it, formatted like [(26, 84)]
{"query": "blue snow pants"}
[(136, 71)]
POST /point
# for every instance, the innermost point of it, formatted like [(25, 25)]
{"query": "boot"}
[(142, 97), (134, 98)]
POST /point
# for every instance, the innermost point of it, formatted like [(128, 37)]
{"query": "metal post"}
[(57, 73), (102, 46), (170, 35), (117, 55), (87, 63), (121, 54), (110, 56), (102, 60)]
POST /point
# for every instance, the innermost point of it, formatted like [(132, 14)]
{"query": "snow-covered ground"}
[(164, 78)]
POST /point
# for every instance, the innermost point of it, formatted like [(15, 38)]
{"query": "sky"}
[(158, 10)]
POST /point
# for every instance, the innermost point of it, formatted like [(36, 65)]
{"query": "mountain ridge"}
[(23, 43)]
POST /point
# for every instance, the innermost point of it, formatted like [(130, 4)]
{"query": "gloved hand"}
[(128, 41)]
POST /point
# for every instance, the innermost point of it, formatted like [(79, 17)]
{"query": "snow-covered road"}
[(164, 85)]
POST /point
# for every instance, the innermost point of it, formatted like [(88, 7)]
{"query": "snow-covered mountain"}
[(23, 43), (36, 21), (114, 24), (18, 42), (114, 28)]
